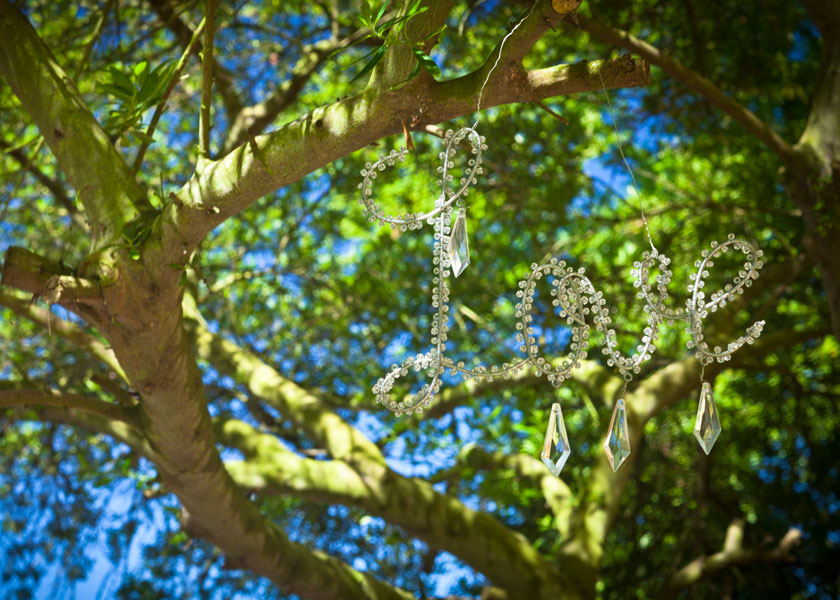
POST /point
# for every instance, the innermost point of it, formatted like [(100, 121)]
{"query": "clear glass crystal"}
[(459, 247), (617, 444), (556, 449), (707, 423)]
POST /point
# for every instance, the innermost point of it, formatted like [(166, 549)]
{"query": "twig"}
[(554, 114), (97, 30), (409, 143), (207, 79), (176, 75), (25, 167)]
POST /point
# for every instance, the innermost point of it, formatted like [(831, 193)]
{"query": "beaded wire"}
[(574, 296)]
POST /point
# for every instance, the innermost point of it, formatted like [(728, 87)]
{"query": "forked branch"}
[(731, 555)]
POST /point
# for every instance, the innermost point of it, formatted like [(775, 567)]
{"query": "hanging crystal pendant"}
[(556, 449), (617, 444), (707, 423), (459, 247)]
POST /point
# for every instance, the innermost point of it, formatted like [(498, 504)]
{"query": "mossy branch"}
[(104, 183)]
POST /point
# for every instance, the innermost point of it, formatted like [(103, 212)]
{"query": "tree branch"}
[(223, 188), (107, 190), (67, 330), (207, 79), (252, 120), (54, 186), (441, 520), (732, 555), (13, 395), (25, 270), (541, 16), (94, 423), (161, 106), (328, 430), (700, 85), (184, 32)]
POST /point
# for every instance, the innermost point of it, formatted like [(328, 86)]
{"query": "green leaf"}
[(120, 79), (116, 91), (140, 68), (146, 93), (154, 83), (427, 63), (436, 32), (381, 12), (377, 56)]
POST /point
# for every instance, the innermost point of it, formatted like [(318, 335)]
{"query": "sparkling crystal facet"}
[(556, 448), (617, 444), (459, 247), (707, 423)]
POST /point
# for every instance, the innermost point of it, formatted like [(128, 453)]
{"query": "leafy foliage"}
[(306, 283)]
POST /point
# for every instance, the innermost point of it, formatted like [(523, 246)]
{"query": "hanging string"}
[(617, 135), (495, 64)]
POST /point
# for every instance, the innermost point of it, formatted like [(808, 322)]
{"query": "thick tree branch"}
[(103, 182), (505, 556), (540, 17), (223, 188), (328, 430), (700, 85)]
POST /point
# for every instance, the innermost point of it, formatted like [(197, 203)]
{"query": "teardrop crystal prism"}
[(617, 444), (459, 246), (707, 423), (556, 449)]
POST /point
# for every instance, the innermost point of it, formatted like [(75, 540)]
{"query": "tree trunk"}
[(817, 193)]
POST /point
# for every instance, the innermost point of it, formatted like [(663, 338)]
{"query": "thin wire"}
[(493, 68), (618, 136), (702, 371)]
